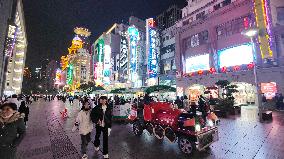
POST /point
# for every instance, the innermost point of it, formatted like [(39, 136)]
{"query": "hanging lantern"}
[(224, 69), (212, 70), (200, 72), (250, 65), (236, 68)]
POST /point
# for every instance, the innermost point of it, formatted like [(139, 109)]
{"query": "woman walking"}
[(85, 125), (101, 115), (24, 110), (12, 130)]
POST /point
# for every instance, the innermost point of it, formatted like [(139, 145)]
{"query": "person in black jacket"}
[(101, 115), (12, 130), (24, 109)]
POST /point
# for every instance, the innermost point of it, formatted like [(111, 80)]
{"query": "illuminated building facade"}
[(210, 46), (15, 51), (75, 67), (118, 55)]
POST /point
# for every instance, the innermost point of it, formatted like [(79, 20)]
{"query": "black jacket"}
[(12, 131), (98, 114)]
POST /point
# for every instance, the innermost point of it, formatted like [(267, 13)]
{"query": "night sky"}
[(50, 23)]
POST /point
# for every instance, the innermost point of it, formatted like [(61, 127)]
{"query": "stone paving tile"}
[(241, 137)]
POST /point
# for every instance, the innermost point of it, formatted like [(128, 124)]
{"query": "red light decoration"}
[(246, 22), (212, 70), (250, 66), (224, 69), (236, 68), (200, 72), (151, 23)]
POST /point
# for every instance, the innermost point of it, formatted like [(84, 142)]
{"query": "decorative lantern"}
[(224, 69), (200, 72), (212, 70), (250, 65), (236, 68)]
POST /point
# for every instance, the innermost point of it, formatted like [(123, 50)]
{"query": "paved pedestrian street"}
[(241, 137)]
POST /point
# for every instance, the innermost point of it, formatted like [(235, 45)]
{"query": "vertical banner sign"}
[(152, 46), (70, 74), (123, 56), (98, 71), (58, 77), (133, 35), (263, 22), (107, 64)]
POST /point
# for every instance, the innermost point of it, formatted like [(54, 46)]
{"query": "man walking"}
[(101, 115)]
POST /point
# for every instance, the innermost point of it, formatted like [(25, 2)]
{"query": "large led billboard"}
[(237, 55), (196, 63)]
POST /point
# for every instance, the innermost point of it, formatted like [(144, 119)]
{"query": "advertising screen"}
[(238, 55), (196, 63)]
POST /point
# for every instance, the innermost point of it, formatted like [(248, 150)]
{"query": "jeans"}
[(103, 130), (85, 139)]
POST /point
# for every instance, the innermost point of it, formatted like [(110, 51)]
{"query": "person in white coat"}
[(85, 125)]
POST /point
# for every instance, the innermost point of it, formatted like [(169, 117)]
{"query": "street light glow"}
[(250, 32)]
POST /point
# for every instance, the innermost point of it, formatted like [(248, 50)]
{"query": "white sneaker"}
[(85, 156), (105, 156), (97, 149)]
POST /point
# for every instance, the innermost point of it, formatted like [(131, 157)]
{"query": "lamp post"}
[(251, 33)]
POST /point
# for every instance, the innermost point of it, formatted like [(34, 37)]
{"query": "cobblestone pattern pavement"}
[(50, 137)]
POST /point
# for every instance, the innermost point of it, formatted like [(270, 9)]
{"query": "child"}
[(85, 125)]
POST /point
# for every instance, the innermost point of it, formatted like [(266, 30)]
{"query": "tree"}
[(226, 100)]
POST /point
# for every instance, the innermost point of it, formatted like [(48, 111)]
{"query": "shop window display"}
[(245, 94), (195, 91)]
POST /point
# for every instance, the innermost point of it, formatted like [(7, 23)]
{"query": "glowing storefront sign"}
[(196, 63), (133, 34), (152, 45), (237, 55), (269, 89)]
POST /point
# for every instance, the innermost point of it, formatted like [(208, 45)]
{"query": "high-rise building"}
[(169, 17), (15, 51), (7, 12)]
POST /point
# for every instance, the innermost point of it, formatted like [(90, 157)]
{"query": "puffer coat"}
[(12, 132)]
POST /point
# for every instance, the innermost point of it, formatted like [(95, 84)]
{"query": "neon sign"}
[(70, 74), (133, 34), (123, 56), (58, 76), (152, 45), (107, 64)]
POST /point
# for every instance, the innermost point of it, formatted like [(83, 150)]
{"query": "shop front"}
[(245, 94)]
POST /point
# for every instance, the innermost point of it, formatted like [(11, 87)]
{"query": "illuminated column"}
[(263, 23), (133, 36), (152, 47)]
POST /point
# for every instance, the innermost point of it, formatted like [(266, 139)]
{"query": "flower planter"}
[(221, 113), (235, 110)]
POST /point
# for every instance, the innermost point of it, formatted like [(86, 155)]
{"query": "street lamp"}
[(252, 33)]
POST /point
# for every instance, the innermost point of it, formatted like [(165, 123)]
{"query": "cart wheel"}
[(137, 128), (185, 145)]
